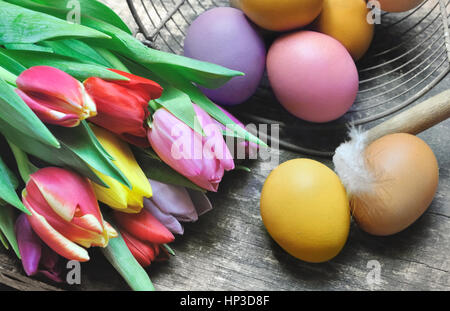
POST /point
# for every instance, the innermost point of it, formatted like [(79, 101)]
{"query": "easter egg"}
[(312, 75), (399, 5), (346, 21), (224, 36), (281, 15), (305, 209), (406, 176)]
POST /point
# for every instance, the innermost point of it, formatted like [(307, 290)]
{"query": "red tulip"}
[(123, 105), (54, 96), (65, 212), (144, 234)]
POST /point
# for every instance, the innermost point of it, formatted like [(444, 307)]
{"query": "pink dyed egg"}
[(312, 75)]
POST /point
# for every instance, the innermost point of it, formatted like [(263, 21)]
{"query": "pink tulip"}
[(202, 159), (65, 212), (54, 96)]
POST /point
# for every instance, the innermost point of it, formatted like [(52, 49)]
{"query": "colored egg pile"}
[(312, 70)]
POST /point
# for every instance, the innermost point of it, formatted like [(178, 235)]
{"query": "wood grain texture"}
[(229, 249), (416, 119)]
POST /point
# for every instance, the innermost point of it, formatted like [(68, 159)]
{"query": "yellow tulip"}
[(119, 196)]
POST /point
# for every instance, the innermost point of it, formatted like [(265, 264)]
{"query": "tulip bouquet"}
[(114, 142)]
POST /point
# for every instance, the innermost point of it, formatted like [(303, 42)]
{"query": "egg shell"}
[(226, 37), (281, 15), (313, 76), (399, 5), (305, 209), (346, 21), (407, 175)]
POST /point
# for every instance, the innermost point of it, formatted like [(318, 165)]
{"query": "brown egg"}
[(399, 5), (406, 178), (346, 21)]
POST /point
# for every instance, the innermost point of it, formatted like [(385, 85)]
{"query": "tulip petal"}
[(70, 230), (46, 112), (55, 184), (144, 226), (50, 261), (30, 247), (123, 105), (174, 200), (169, 221), (176, 143), (201, 202), (118, 196), (54, 239), (148, 89), (53, 83), (214, 138), (143, 253)]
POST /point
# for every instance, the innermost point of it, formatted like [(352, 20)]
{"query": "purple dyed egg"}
[(226, 37)]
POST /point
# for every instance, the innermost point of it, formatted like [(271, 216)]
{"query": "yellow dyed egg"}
[(346, 21), (305, 209), (280, 15)]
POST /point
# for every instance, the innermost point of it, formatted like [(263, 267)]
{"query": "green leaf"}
[(177, 102), (7, 227), (154, 168), (28, 47), (202, 73), (93, 9), (63, 157), (169, 249), (120, 257), (206, 104), (21, 118), (112, 59), (77, 50), (82, 142), (73, 67), (4, 240), (20, 25), (8, 185), (79, 151), (11, 64)]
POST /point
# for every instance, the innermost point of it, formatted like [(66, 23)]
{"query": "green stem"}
[(8, 76), (112, 59), (24, 165)]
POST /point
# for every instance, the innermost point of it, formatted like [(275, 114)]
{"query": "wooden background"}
[(229, 249)]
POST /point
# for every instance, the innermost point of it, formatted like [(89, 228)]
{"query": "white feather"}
[(350, 164)]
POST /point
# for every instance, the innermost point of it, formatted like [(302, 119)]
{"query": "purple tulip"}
[(37, 258), (202, 159), (172, 204)]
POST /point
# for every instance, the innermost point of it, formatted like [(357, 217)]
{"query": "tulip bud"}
[(54, 96), (202, 159), (118, 196), (144, 234), (144, 226), (37, 258), (65, 212), (174, 204), (123, 105)]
